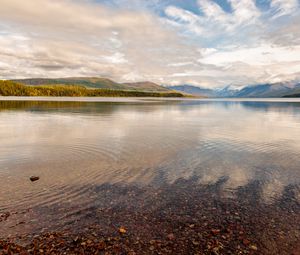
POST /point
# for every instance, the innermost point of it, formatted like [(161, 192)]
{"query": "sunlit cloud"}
[(207, 43)]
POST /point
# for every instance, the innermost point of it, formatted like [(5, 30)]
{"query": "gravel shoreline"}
[(181, 218)]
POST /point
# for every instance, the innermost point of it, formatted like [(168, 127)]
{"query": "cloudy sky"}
[(210, 43)]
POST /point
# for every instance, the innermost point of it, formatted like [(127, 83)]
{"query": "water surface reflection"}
[(77, 147)]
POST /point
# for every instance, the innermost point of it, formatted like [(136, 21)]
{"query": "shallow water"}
[(78, 147)]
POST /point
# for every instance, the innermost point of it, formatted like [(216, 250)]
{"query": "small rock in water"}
[(215, 231), (122, 230), (253, 247), (34, 178), (246, 242), (171, 236)]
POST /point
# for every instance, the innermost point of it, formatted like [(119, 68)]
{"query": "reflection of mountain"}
[(80, 107), (266, 106), (274, 106), (260, 91), (240, 141)]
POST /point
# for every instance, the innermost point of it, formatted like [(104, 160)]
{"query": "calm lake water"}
[(79, 148)]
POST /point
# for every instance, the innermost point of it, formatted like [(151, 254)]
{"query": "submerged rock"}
[(122, 230), (34, 178)]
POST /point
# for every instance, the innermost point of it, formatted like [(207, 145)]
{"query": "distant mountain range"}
[(283, 89), (99, 83)]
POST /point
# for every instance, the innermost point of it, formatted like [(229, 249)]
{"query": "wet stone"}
[(34, 178)]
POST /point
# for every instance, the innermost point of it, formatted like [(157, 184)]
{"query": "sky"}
[(207, 43)]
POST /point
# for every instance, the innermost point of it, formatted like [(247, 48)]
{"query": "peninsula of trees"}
[(16, 88)]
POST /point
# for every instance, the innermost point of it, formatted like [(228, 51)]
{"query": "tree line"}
[(10, 88)]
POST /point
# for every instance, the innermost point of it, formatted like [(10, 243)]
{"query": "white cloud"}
[(76, 38), (260, 55), (243, 45), (54, 38), (284, 7)]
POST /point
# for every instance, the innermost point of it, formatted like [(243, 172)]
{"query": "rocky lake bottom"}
[(175, 177)]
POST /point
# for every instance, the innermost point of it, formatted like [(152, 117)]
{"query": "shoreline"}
[(144, 99), (180, 218)]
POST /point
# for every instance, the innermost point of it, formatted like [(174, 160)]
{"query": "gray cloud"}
[(85, 37), (59, 38)]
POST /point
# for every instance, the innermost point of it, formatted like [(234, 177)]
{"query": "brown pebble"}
[(101, 245), (152, 242), (34, 178), (122, 230), (195, 243), (246, 242), (253, 247), (215, 231), (171, 236)]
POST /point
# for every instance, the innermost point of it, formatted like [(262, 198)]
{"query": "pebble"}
[(171, 236), (253, 247), (122, 230), (34, 178)]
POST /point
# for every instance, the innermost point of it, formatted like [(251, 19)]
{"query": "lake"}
[(164, 169)]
